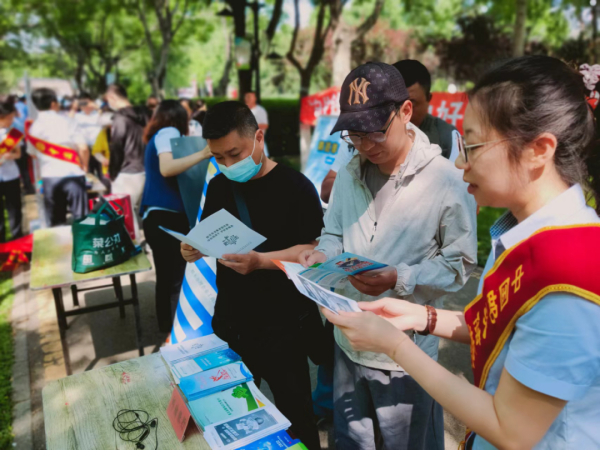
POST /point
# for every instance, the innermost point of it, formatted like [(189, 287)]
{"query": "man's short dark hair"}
[(84, 96), (225, 117), (118, 90), (414, 72), (43, 98)]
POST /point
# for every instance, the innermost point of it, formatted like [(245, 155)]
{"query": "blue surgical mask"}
[(243, 170)]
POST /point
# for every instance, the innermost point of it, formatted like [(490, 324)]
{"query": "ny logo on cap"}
[(359, 91)]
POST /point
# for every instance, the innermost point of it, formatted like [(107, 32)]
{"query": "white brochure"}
[(220, 234)]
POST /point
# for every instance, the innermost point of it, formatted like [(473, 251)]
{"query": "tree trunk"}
[(305, 77), (239, 19), (343, 36), (594, 33), (519, 33), (221, 89)]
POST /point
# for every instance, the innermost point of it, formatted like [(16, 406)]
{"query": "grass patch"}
[(6, 360), (485, 219)]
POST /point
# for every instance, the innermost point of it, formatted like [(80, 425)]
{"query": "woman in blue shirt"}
[(162, 204), (529, 148)]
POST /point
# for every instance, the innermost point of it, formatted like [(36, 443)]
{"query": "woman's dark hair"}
[(199, 116), (169, 113), (7, 106), (528, 96)]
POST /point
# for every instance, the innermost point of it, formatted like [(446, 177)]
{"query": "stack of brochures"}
[(229, 409), (182, 358)]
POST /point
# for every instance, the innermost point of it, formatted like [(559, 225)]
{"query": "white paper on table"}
[(220, 234)]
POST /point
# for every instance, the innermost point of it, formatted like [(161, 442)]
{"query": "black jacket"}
[(126, 144)]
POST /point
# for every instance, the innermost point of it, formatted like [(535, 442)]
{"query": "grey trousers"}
[(382, 409)]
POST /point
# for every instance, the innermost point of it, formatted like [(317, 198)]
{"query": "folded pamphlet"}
[(232, 402), (334, 272), (279, 440), (193, 348), (240, 431), (321, 295), (202, 363), (215, 380), (220, 234)]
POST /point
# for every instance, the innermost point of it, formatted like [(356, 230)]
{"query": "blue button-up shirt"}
[(555, 347)]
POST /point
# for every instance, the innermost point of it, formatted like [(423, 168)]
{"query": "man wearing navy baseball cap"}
[(401, 203)]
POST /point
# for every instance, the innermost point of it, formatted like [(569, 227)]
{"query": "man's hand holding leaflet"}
[(220, 234)]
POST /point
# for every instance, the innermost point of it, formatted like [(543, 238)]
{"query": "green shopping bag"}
[(100, 240)]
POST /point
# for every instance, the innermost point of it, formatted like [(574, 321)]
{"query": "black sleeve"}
[(117, 145), (310, 220), (212, 203)]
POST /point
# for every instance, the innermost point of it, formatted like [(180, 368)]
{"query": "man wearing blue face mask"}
[(258, 311)]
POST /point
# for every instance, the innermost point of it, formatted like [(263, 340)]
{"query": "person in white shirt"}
[(193, 109), (90, 122), (10, 185), (63, 181), (260, 113)]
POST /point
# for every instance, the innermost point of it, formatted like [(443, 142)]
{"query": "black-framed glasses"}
[(464, 149), (378, 137)]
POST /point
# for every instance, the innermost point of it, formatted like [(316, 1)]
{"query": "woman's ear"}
[(540, 151)]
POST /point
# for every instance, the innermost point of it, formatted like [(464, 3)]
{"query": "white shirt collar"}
[(565, 205), (47, 113)]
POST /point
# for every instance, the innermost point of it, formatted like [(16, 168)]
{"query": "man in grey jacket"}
[(401, 203)]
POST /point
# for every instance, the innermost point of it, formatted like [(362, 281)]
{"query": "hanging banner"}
[(446, 106), (324, 149), (325, 103), (449, 107), (196, 307)]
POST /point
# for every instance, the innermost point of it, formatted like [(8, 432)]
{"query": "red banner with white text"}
[(449, 107)]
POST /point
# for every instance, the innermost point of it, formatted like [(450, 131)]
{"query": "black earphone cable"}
[(140, 426)]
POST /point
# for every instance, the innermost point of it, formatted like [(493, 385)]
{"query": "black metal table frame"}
[(62, 314)]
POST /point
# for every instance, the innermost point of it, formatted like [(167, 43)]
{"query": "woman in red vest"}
[(533, 329)]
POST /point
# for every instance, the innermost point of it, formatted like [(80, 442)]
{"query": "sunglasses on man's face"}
[(355, 139)]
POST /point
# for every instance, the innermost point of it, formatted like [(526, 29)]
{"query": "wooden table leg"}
[(119, 293), (62, 326), (74, 294), (136, 313)]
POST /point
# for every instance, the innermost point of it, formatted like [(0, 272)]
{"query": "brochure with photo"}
[(232, 402), (242, 430), (276, 441), (317, 293)]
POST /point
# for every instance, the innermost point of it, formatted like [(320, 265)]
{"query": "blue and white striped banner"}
[(199, 291)]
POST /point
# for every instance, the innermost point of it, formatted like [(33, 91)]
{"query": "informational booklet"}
[(206, 362), (220, 234), (334, 272), (232, 402), (236, 432), (276, 441), (319, 294), (193, 348), (215, 380)]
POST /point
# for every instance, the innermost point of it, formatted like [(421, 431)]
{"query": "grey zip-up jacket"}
[(427, 231)]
